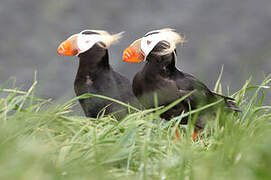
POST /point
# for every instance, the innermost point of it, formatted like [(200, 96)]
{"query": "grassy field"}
[(41, 140)]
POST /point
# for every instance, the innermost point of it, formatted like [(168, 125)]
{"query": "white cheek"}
[(84, 44), (146, 46)]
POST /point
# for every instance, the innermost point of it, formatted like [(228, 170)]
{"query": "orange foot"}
[(195, 135), (177, 135), (178, 139)]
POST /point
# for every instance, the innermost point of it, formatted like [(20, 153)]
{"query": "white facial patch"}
[(151, 39), (87, 38), (85, 41)]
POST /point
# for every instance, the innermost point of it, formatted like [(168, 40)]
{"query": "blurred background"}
[(235, 33)]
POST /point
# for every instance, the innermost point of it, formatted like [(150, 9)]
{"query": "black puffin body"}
[(160, 76), (96, 76)]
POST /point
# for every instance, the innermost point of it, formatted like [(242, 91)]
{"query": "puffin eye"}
[(148, 42), (87, 41)]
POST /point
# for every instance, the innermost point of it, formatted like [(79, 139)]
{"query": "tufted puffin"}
[(95, 75), (161, 76)]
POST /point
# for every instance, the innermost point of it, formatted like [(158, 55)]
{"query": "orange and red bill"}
[(68, 47), (133, 54)]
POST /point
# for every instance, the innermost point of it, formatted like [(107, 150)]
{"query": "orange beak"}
[(66, 48), (133, 53)]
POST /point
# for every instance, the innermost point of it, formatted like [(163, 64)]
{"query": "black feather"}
[(160, 76), (96, 76)]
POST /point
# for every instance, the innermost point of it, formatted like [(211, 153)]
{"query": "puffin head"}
[(85, 40), (158, 42)]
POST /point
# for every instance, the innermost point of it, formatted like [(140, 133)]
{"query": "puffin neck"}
[(94, 60), (155, 63)]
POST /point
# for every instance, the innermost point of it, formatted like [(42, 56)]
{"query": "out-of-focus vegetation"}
[(233, 32), (42, 140)]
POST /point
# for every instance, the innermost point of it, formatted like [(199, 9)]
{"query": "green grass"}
[(41, 140)]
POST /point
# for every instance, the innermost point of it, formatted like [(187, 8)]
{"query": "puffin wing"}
[(187, 83)]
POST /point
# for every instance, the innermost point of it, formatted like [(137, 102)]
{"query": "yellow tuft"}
[(172, 37), (109, 39)]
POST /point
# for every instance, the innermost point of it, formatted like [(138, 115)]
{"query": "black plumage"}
[(160, 76), (96, 76)]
